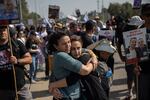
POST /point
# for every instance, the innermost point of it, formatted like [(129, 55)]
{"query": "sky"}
[(67, 7)]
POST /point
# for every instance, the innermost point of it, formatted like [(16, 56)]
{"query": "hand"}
[(94, 61), (55, 92), (13, 60), (137, 70)]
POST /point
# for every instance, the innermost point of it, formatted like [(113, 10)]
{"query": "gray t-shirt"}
[(63, 65)]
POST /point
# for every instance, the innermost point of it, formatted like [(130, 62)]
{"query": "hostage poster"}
[(109, 34), (9, 12), (135, 45)]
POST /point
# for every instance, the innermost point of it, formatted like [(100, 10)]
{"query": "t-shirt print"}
[(5, 60)]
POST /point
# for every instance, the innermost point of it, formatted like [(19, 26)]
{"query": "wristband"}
[(18, 63)]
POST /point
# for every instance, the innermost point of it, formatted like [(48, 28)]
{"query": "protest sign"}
[(137, 4), (135, 45), (109, 34), (9, 12)]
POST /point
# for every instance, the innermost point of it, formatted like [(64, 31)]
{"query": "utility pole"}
[(35, 14), (20, 5), (102, 10), (98, 6)]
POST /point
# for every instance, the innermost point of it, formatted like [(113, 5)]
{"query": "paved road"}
[(118, 89)]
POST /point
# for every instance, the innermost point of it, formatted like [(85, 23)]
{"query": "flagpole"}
[(14, 73)]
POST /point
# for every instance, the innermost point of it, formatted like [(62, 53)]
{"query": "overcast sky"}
[(68, 6)]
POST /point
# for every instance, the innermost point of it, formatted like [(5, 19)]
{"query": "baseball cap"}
[(136, 21), (103, 45)]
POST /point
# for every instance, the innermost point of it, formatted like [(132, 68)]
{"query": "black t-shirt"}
[(31, 45), (87, 40), (6, 69)]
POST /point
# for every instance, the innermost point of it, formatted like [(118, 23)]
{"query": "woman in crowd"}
[(64, 64), (91, 84)]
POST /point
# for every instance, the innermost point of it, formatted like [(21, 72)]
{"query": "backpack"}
[(92, 89)]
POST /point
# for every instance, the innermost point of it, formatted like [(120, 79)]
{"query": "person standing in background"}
[(143, 70)]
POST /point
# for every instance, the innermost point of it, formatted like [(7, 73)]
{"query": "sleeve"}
[(69, 62), (22, 48)]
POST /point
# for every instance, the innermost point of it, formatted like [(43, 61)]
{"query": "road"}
[(118, 90)]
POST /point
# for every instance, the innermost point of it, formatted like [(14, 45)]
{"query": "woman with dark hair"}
[(64, 64)]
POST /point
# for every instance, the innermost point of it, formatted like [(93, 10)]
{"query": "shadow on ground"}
[(119, 81), (40, 94), (116, 95)]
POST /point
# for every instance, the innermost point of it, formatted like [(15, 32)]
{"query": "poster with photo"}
[(109, 34), (135, 45), (9, 12)]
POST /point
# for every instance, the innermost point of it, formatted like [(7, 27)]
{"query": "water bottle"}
[(109, 73)]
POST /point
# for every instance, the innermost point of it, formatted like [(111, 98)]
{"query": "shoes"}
[(33, 81)]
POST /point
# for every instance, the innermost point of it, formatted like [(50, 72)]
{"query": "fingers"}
[(137, 70), (13, 60), (56, 93), (94, 63)]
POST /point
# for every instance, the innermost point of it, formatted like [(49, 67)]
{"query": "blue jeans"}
[(33, 66)]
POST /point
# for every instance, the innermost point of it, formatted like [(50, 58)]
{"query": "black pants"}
[(144, 86), (47, 67)]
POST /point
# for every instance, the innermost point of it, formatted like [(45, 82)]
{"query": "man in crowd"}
[(143, 70), (10, 62)]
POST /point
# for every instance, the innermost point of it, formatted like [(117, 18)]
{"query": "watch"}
[(18, 62)]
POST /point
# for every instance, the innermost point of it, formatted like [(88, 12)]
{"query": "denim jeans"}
[(33, 66)]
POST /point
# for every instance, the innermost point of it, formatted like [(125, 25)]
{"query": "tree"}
[(26, 14), (125, 10), (114, 9), (25, 10)]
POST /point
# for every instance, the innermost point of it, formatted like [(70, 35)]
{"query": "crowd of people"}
[(82, 61)]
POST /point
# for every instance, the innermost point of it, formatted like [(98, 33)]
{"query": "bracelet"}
[(18, 63)]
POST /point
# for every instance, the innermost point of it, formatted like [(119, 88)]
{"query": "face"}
[(141, 43), (76, 49), (104, 55), (3, 34), (64, 44), (9, 5), (133, 42)]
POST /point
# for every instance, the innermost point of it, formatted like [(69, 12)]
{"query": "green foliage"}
[(114, 8), (124, 9), (26, 14), (25, 10)]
